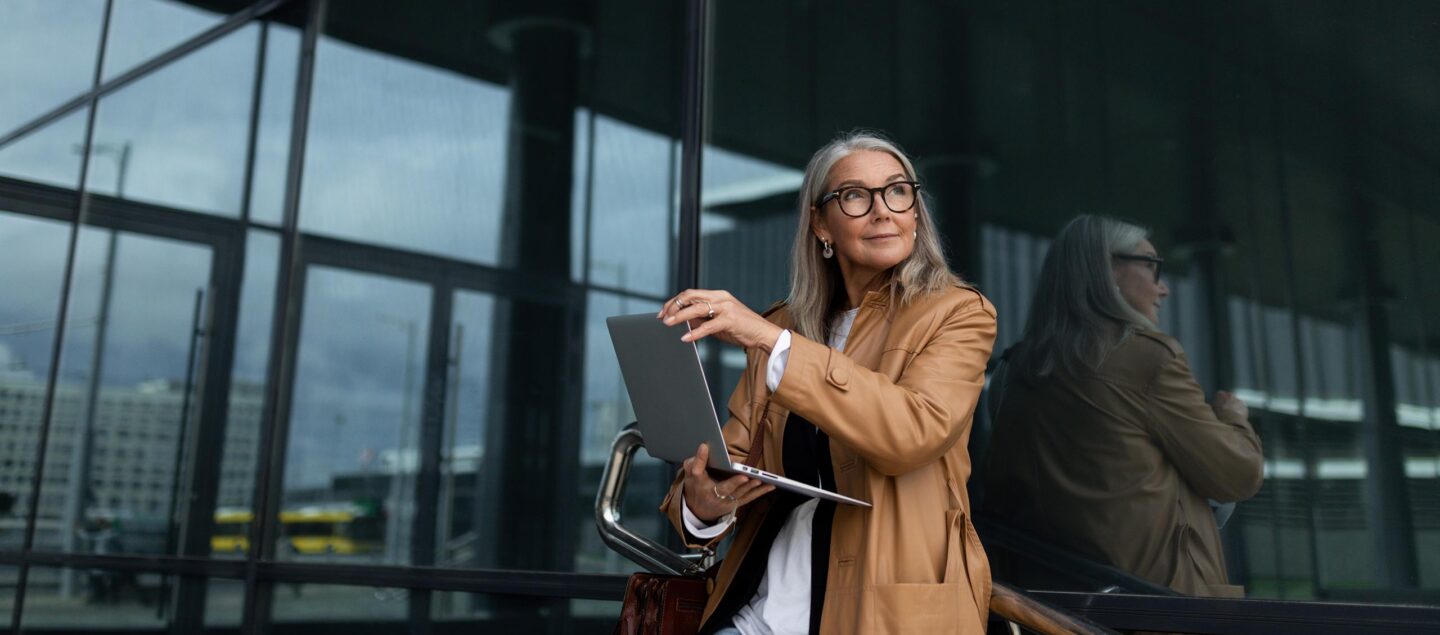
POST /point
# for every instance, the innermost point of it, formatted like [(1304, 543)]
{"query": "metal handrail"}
[(639, 549)]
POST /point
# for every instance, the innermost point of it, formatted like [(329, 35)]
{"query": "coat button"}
[(839, 376)]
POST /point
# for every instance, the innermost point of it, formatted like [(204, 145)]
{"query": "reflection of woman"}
[(885, 421), (1103, 441)]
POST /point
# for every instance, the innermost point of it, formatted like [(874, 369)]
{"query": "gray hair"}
[(1078, 315), (817, 287)]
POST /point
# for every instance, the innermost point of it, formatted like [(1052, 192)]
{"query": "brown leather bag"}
[(670, 604), (662, 605)]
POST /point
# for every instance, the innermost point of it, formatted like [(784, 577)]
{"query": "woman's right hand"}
[(709, 499)]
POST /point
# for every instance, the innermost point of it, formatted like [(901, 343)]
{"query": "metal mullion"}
[(589, 195), (593, 586), (230, 24), (256, 95), (284, 330), (121, 215), (58, 203), (57, 344), (173, 565), (409, 265), (1292, 306), (217, 364), (692, 135)]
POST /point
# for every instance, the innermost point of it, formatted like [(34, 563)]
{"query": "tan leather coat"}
[(1117, 465), (897, 407)]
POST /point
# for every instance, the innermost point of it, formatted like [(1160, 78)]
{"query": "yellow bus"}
[(333, 529), (340, 528), (232, 530)]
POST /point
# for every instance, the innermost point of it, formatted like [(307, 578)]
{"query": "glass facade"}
[(303, 300)]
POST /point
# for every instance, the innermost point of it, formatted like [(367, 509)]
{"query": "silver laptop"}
[(672, 401)]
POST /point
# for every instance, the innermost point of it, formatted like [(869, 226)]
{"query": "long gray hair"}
[(817, 288), (1078, 315)]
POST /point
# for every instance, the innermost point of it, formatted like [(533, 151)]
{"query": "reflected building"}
[(134, 462)]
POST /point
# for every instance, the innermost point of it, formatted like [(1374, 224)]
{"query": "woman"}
[(1102, 439), (863, 382)]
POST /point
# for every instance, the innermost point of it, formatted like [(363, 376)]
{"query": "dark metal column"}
[(1207, 239), (529, 476), (1387, 502)]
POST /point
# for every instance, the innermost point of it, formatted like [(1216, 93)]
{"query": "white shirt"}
[(781, 604)]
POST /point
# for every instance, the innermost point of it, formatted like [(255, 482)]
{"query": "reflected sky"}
[(405, 155), (67, 33), (142, 29), (362, 339), (32, 255)]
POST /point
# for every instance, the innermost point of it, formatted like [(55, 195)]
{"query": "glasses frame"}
[(834, 195), (1158, 262)]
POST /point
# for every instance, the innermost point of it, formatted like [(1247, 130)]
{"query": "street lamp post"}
[(79, 491), (393, 523)]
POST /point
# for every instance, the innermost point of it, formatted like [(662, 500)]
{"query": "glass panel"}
[(38, 75), (341, 608), (142, 29), (634, 203), (224, 603), (9, 580), (117, 601), (404, 154), (32, 252), (1294, 230), (50, 155), (475, 146), (106, 600), (350, 467), (124, 412), (178, 136), (462, 461)]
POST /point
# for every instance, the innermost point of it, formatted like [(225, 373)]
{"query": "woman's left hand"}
[(717, 313)]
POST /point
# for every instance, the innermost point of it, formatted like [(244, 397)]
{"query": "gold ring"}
[(711, 314), (728, 499)]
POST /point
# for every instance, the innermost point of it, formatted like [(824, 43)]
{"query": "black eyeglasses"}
[(1154, 260), (856, 201)]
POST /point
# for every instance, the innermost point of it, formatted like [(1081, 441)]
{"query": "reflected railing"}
[(1035, 563)]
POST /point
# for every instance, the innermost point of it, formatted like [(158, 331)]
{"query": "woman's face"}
[(879, 240), (1139, 282)]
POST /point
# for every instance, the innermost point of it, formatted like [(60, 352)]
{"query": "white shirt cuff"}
[(779, 357), (698, 528)]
